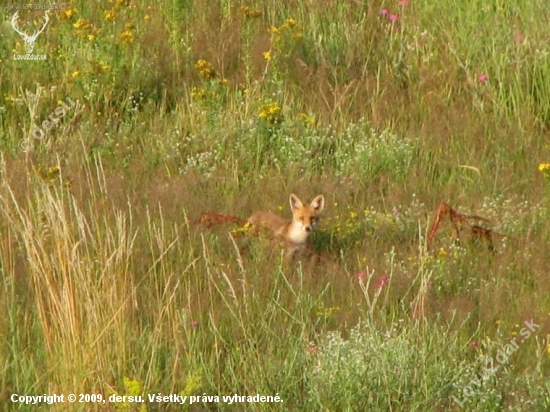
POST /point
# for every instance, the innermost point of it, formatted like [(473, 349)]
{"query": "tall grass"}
[(110, 286)]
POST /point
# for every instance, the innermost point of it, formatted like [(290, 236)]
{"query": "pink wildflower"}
[(483, 78), (361, 275), (383, 12), (393, 17), (473, 344), (520, 38), (194, 324), (404, 3), (312, 350), (383, 281)]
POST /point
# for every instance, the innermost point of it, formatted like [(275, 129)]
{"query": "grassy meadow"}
[(150, 113)]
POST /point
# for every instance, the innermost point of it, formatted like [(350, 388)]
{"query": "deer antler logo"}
[(29, 40)]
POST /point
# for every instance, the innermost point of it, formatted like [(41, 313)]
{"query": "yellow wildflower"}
[(197, 93), (267, 55), (109, 15), (272, 112), (192, 383), (246, 229), (327, 312), (307, 119), (205, 69), (132, 387), (51, 175), (126, 37), (81, 24), (75, 74), (290, 23), (104, 66), (250, 13), (67, 14), (291, 26), (544, 168)]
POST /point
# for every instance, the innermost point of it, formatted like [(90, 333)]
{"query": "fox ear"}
[(295, 203), (318, 203)]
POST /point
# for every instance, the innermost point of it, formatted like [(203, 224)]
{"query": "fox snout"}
[(308, 227)]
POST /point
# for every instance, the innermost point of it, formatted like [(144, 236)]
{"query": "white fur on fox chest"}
[(295, 233)]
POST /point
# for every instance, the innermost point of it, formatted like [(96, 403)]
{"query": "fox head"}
[(306, 217)]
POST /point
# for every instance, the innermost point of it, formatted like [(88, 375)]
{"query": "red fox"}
[(295, 232)]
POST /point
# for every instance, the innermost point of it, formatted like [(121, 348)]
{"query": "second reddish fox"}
[(293, 232)]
